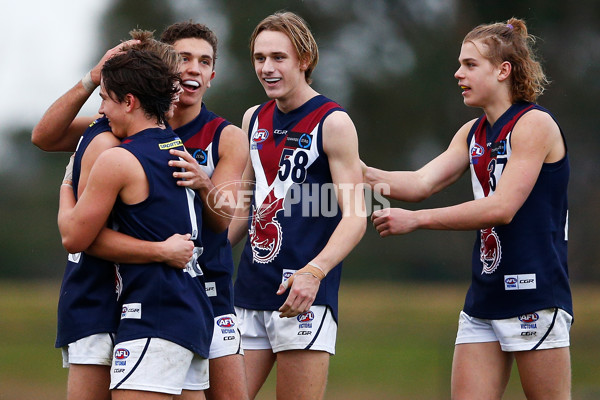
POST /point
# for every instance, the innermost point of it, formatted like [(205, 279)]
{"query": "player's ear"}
[(504, 70), (130, 101)]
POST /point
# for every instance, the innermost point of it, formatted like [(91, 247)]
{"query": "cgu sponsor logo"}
[(306, 317), (225, 322), (529, 318), (121, 353)]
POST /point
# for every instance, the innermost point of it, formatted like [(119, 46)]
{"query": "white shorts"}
[(197, 375), (93, 350), (545, 329), (312, 330), (155, 365), (227, 339)]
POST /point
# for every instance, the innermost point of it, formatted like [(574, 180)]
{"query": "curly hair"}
[(510, 41)]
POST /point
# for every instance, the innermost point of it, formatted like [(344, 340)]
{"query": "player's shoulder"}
[(233, 139)]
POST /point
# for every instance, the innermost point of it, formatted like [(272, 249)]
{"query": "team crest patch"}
[(265, 231), (490, 250)]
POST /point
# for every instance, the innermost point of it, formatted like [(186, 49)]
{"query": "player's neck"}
[(295, 98), (185, 114)]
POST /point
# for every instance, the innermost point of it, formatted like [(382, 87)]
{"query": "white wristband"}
[(88, 83)]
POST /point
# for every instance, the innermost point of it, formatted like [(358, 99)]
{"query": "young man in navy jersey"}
[(88, 311), (307, 215), (519, 306), (214, 161), (220, 151), (166, 321)]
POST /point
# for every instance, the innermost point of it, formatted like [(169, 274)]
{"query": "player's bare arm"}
[(239, 225), (535, 139), (115, 246), (414, 186), (59, 129), (79, 223), (340, 142)]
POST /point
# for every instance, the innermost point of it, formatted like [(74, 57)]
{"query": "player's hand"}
[(178, 250), (304, 285), (394, 221), (96, 71), (193, 176)]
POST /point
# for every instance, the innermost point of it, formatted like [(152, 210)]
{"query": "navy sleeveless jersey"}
[(520, 267), (87, 303), (294, 209), (158, 300), (201, 139)]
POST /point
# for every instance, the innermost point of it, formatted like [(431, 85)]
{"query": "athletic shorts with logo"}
[(315, 329), (544, 329)]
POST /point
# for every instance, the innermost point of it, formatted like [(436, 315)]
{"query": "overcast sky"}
[(46, 48)]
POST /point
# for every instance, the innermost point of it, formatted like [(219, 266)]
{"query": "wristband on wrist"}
[(88, 83)]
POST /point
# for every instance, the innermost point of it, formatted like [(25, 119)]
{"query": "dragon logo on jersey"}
[(265, 230), (490, 250)]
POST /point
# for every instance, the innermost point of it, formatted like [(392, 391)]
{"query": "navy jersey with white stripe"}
[(520, 267), (201, 139), (87, 303), (294, 209), (158, 300)]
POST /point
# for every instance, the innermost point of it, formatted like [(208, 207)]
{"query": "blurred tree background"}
[(390, 63)]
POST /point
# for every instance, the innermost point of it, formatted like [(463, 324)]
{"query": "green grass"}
[(395, 341)]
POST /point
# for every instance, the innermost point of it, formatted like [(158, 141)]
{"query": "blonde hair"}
[(510, 41), (295, 28)]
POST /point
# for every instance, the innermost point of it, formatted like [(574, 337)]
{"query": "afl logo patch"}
[(510, 281), (121, 353), (306, 317), (477, 151), (260, 136), (225, 322), (529, 318)]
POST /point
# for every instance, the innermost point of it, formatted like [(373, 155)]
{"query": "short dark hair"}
[(146, 76), (190, 29)]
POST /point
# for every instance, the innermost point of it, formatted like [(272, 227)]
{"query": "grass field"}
[(395, 341)]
